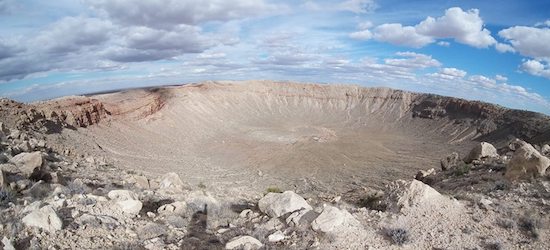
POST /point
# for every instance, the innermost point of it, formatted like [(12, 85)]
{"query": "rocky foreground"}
[(490, 199)]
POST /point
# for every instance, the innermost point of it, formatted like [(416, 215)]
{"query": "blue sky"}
[(478, 50)]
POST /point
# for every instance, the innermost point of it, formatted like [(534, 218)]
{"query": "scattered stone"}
[(28, 163), (151, 230), (451, 161), (277, 204), (140, 181), (122, 195), (301, 217), (481, 151), (545, 150), (485, 203), (276, 237), (97, 221), (243, 242), (424, 173), (526, 163), (44, 218), (332, 219)]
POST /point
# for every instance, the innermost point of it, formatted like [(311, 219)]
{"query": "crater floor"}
[(308, 137)]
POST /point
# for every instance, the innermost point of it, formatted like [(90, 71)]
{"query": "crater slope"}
[(308, 137)]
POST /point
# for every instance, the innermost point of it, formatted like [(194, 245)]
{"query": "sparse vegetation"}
[(506, 223), (6, 196), (373, 202), (462, 169), (202, 186), (398, 235), (273, 190), (530, 223)]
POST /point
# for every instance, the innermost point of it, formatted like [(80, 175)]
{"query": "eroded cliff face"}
[(461, 119)]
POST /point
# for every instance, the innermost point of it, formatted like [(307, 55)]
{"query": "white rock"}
[(171, 180), (277, 204), (332, 219), (243, 242), (7, 244), (130, 206), (177, 207), (44, 218), (276, 237), (122, 195), (28, 162), (526, 162), (545, 150), (482, 150)]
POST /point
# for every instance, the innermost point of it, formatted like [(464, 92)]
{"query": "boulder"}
[(332, 219), (545, 150), (451, 161), (130, 206), (178, 207), (404, 195), (7, 244), (301, 217), (140, 181), (126, 200), (171, 180), (243, 242), (44, 218), (28, 163), (276, 237), (277, 204), (481, 151), (526, 162), (424, 173)]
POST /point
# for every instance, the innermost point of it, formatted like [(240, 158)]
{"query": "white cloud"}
[(167, 13), (396, 34), (449, 73), (536, 68), (413, 60), (529, 41), (443, 43), (501, 78), (464, 26), (358, 6), (361, 35), (543, 24), (503, 48)]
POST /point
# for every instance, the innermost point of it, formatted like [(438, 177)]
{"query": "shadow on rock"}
[(198, 237)]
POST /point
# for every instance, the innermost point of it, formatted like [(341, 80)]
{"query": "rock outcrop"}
[(278, 204), (526, 162)]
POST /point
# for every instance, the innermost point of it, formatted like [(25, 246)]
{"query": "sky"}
[(493, 51)]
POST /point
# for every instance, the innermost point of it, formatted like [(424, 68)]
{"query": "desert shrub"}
[(202, 186), (273, 190), (461, 170), (502, 185), (531, 224), (372, 202), (398, 235), (6, 196), (506, 223), (495, 245)]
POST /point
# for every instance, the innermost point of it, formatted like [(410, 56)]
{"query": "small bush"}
[(530, 223), (506, 223), (372, 202), (462, 170), (6, 196), (202, 186), (273, 190), (398, 236)]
